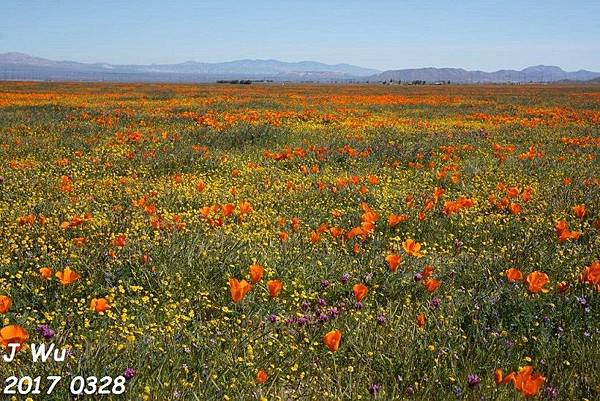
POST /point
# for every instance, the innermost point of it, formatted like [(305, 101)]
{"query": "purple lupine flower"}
[(272, 318), (381, 319), (322, 302), (418, 276), (358, 305), (129, 373), (435, 302), (374, 388), (305, 305), (334, 312), (45, 331), (473, 380), (345, 277), (324, 284)]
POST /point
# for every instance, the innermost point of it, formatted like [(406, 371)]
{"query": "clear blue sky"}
[(479, 34)]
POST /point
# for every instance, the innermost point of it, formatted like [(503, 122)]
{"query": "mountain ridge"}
[(15, 65), (537, 73)]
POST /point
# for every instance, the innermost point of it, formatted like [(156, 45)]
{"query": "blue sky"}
[(482, 34)]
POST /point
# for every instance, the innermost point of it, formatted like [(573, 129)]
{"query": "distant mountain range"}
[(23, 66), (539, 73), (19, 66)]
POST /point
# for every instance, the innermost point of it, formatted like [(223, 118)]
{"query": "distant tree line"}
[(415, 82), (242, 81), (235, 81)]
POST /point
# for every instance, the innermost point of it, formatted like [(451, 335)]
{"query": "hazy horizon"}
[(386, 35)]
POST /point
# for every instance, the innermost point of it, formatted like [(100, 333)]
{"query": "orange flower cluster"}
[(451, 207), (239, 289), (525, 381), (563, 233)]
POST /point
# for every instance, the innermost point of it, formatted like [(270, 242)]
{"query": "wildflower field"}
[(303, 242)]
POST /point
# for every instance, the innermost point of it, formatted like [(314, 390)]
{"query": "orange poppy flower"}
[(13, 334), (560, 226), (432, 285), (515, 208), (200, 186), (373, 179), (238, 289), (395, 219), (99, 305), (228, 209), (360, 291), (421, 320), (513, 192), (332, 340), (275, 287), (119, 241), (256, 272), (528, 383), (412, 248), (591, 275), (579, 211), (283, 236), (5, 303), (356, 231), (295, 224), (45, 272), (261, 376), (513, 274), (67, 276), (536, 281), (393, 260), (498, 376), (336, 231), (245, 207), (500, 379), (527, 194)]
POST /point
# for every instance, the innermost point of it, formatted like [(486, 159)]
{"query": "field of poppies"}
[(302, 242)]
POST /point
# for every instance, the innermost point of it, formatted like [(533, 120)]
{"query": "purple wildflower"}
[(374, 388), (473, 380), (45, 331), (129, 373)]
